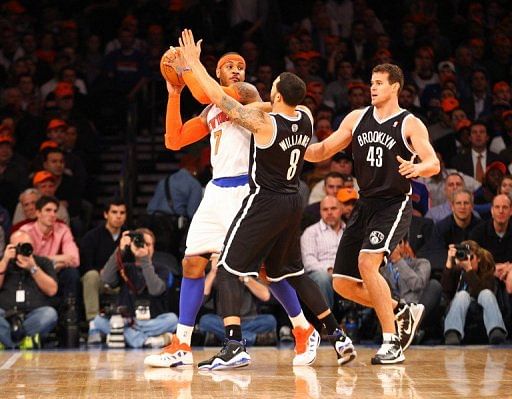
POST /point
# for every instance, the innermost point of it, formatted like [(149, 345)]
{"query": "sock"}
[(184, 333), (388, 337), (234, 332), (330, 323), (191, 299), (300, 321), (287, 297)]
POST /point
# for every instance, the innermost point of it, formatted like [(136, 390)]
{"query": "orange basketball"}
[(168, 72)]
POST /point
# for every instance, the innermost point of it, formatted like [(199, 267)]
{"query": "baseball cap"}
[(346, 194), (446, 64), (6, 138), (48, 144), (63, 89), (462, 124), (42, 176), (449, 104), (496, 165), (56, 123), (506, 113), (499, 86)]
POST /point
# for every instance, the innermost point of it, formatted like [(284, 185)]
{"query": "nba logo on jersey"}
[(295, 127), (395, 124), (376, 237)]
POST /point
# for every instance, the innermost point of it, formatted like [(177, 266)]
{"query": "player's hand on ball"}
[(170, 66)]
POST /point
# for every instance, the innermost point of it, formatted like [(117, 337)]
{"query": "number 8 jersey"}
[(277, 166), (375, 145)]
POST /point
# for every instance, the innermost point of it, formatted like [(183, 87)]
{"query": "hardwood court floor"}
[(429, 372)]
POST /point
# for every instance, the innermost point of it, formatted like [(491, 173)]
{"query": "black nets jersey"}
[(277, 166), (375, 146)]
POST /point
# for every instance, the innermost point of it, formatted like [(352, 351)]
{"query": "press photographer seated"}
[(144, 320), (468, 279), (27, 282)]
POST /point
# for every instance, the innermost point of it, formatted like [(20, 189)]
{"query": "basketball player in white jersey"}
[(222, 199)]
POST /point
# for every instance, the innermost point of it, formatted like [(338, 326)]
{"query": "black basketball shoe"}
[(232, 355), (390, 352), (407, 321)]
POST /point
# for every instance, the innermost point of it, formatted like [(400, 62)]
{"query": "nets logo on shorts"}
[(376, 237)]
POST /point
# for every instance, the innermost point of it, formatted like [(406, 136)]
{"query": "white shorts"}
[(213, 218)]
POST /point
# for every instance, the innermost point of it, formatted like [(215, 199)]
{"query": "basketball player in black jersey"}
[(268, 224), (385, 141)]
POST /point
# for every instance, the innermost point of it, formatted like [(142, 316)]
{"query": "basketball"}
[(168, 72)]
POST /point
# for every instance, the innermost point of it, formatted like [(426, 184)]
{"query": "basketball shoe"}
[(306, 342), (232, 355), (407, 321), (343, 345), (175, 354), (390, 352)]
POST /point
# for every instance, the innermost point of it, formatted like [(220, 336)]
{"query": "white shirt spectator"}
[(319, 244)]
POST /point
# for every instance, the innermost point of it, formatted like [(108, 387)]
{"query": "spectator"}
[(34, 276), (468, 279), (140, 281), (347, 197), (494, 174), (341, 163), (95, 248), (506, 186), (255, 326), (409, 279), (474, 163), (13, 174), (504, 140), (332, 183), (53, 239), (478, 104), (319, 244)]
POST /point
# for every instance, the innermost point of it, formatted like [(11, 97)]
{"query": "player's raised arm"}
[(337, 141), (417, 134), (255, 120), (177, 134)]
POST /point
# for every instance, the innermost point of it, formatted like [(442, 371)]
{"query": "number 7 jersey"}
[(230, 143), (277, 166), (375, 146)]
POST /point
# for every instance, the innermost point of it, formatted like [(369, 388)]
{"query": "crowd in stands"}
[(69, 72)]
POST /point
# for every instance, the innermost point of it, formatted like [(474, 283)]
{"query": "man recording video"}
[(27, 281), (140, 318)]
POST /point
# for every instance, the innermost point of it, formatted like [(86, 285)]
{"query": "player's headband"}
[(230, 58)]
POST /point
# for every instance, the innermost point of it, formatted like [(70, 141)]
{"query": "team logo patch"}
[(376, 237), (295, 127)]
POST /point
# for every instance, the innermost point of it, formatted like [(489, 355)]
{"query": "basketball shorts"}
[(267, 228), (377, 225), (212, 219)]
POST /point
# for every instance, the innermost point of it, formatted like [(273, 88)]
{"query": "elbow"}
[(171, 145), (52, 291), (266, 296)]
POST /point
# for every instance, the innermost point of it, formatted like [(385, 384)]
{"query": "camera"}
[(137, 239), (462, 251), (15, 317), (24, 249)]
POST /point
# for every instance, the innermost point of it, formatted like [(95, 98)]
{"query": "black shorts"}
[(266, 229), (376, 225)]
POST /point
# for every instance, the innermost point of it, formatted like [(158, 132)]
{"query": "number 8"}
[(294, 159)]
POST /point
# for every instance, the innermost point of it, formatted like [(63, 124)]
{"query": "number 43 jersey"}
[(375, 146), (277, 166)]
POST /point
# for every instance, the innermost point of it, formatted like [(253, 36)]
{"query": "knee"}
[(92, 277), (49, 314), (486, 296), (194, 266), (461, 296)]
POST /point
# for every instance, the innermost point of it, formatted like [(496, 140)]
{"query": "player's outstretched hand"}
[(407, 168), (189, 48)]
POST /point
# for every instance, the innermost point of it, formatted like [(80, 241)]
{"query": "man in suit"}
[(475, 162)]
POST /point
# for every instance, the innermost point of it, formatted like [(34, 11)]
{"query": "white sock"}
[(388, 337), (184, 333), (300, 321)]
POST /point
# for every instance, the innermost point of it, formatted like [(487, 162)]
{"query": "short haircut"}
[(44, 200), (114, 201), (28, 191), (505, 195), (395, 73), (479, 123), (51, 150), (455, 174), (292, 88), (462, 191), (333, 175)]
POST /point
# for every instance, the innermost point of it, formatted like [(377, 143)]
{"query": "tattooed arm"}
[(258, 122)]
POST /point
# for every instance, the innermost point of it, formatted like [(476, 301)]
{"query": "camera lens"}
[(24, 249)]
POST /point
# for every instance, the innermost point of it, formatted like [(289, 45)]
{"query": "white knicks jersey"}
[(230, 145)]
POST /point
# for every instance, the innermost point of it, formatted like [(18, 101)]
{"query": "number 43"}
[(375, 156)]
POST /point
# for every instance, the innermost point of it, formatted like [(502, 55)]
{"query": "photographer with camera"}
[(468, 279), (27, 282), (131, 269)]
